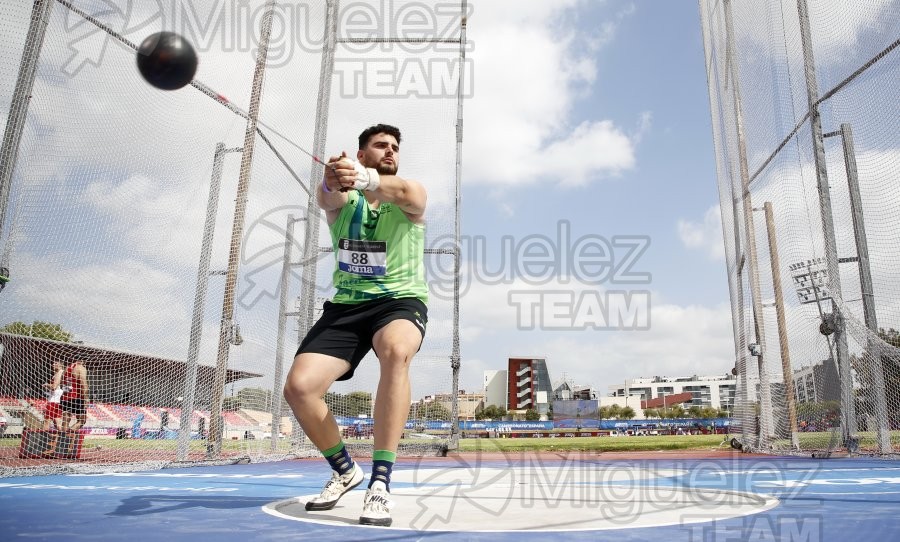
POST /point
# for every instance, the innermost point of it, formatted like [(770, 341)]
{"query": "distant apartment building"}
[(468, 404), (529, 385), (566, 391), (817, 383), (706, 391)]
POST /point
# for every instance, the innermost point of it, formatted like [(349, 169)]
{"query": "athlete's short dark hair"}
[(367, 134)]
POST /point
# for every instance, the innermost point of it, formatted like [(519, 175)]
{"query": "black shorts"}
[(74, 406), (345, 331)]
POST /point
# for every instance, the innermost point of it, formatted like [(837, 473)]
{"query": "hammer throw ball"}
[(166, 60)]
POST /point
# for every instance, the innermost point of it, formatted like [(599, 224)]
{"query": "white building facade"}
[(495, 389), (707, 391)]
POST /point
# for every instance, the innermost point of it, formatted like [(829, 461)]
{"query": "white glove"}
[(366, 177)]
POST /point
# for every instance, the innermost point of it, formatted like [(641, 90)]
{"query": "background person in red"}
[(74, 400), (52, 411)]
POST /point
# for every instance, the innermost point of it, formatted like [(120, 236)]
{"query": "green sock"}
[(339, 458), (382, 465)]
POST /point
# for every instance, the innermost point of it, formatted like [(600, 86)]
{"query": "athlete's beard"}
[(381, 167), (386, 169)]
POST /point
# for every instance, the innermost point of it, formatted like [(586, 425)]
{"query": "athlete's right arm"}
[(329, 195)]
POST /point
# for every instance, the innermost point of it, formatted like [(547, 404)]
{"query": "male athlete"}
[(73, 403), (377, 229)]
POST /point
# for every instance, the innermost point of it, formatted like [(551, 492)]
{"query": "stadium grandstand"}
[(144, 391)]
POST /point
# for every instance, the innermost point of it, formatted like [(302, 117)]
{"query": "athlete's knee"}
[(395, 353), (298, 387)]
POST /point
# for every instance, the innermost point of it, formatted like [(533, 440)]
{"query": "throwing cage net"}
[(803, 98), (168, 240)]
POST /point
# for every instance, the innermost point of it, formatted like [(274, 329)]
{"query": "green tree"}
[(429, 411), (254, 399), (603, 413), (333, 399), (532, 415), (353, 404), (627, 413), (615, 411), (359, 402), (651, 413), (672, 412), (493, 412), (695, 411), (42, 330)]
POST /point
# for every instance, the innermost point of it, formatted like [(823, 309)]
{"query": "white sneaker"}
[(335, 488), (377, 507)]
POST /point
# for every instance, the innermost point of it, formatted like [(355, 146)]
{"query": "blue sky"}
[(647, 78)]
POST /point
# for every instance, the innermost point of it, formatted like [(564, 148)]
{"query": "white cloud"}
[(605, 32), (645, 123), (108, 306), (837, 26), (834, 26), (681, 340), (705, 236), (529, 69)]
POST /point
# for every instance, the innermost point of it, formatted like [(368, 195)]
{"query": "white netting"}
[(803, 98), (103, 226)]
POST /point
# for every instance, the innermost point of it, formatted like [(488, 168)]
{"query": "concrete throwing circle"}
[(567, 498)]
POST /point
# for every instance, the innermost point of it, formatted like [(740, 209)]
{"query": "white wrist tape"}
[(374, 179), (366, 178)]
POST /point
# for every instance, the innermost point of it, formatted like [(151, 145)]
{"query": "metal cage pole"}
[(848, 408), (735, 274), (786, 371), (310, 257), (455, 360), (277, 393), (877, 393), (192, 364), (216, 422), (766, 422), (18, 108)]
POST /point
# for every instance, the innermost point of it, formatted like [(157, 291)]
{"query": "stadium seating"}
[(237, 419), (98, 412), (154, 414), (11, 402), (119, 415), (125, 413)]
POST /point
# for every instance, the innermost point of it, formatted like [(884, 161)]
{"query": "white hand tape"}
[(362, 176), (374, 179), (366, 178)]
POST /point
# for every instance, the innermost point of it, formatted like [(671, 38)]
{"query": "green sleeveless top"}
[(379, 253)]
